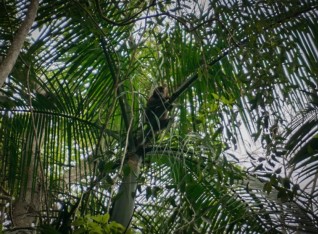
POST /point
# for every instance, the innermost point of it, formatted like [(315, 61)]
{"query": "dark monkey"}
[(157, 109), (156, 116)]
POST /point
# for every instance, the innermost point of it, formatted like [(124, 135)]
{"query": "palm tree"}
[(72, 115)]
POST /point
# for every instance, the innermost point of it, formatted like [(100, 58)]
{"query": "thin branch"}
[(124, 22), (120, 94)]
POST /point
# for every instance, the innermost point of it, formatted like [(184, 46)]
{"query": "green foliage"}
[(74, 104), (97, 224)]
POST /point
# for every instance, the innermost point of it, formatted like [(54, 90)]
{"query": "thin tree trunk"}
[(17, 43), (26, 209), (124, 204)]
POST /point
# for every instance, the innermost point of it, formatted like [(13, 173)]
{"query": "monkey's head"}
[(160, 92)]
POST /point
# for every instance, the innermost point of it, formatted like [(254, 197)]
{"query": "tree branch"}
[(17, 42), (124, 107), (124, 22)]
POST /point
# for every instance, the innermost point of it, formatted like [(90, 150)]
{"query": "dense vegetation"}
[(240, 156)]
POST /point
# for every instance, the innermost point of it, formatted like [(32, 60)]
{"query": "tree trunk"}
[(26, 209), (124, 205), (17, 43)]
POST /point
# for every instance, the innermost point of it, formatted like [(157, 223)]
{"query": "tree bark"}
[(17, 42), (124, 205), (27, 208)]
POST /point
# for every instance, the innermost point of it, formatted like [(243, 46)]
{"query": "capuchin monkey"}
[(157, 109), (156, 116)]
